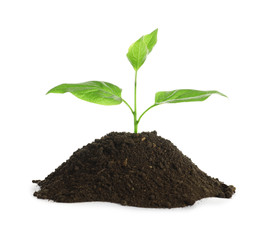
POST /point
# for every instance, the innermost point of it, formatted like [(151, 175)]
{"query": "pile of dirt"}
[(142, 170)]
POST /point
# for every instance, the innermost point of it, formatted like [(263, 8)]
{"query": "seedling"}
[(106, 93)]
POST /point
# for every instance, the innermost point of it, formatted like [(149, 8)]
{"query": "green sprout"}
[(105, 93)]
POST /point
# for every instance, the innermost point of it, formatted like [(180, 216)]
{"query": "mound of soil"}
[(142, 170)]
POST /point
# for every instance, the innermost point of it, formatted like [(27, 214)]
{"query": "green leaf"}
[(103, 93), (137, 53), (150, 40), (139, 50), (183, 95)]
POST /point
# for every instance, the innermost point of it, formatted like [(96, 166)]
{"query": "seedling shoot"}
[(106, 93)]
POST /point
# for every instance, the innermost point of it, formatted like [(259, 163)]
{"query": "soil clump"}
[(142, 170)]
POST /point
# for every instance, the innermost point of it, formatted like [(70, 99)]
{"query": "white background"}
[(206, 45)]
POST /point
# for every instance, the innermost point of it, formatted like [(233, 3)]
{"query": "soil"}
[(142, 170)]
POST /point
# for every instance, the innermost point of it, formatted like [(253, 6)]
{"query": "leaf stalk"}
[(128, 105), (145, 112)]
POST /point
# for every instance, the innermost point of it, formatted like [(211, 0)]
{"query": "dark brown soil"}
[(142, 170)]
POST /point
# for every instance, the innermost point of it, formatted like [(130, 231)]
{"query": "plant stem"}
[(135, 104), (146, 111)]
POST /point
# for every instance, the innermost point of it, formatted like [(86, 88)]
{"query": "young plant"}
[(106, 93)]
